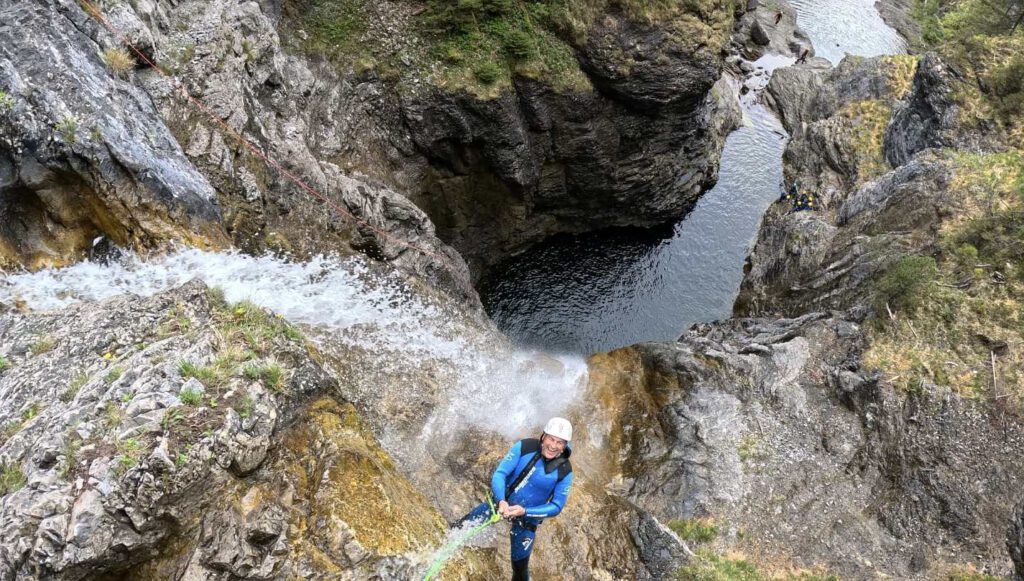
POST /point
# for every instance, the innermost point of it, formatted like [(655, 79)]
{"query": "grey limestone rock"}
[(1015, 540), (80, 147), (809, 454)]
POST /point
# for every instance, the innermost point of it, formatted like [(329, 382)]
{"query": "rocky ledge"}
[(179, 437), (872, 141), (770, 441)]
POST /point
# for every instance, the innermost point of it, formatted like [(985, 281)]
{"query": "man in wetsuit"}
[(531, 483)]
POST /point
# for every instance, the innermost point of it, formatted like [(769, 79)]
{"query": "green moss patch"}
[(707, 566)]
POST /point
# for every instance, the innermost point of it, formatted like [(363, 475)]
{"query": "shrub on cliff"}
[(12, 478), (487, 72), (519, 45), (956, 20), (1008, 85), (986, 36), (905, 284)]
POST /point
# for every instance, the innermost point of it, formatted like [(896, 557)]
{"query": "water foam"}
[(492, 384)]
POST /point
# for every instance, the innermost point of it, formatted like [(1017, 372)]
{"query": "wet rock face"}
[(639, 150), (128, 466), (84, 153), (773, 427), (1015, 540)]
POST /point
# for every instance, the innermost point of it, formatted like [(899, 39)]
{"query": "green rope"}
[(449, 550)]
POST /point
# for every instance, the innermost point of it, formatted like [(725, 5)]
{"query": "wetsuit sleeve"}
[(499, 482), (557, 502)]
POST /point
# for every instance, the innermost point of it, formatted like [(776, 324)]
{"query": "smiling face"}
[(551, 447)]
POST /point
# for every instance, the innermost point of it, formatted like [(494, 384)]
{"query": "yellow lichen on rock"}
[(351, 488), (623, 392)]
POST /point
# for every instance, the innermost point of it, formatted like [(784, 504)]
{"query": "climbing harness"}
[(452, 547)]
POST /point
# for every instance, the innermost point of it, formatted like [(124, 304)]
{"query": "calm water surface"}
[(613, 288), (590, 293)]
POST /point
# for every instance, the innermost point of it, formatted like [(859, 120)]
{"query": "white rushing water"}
[(490, 383)]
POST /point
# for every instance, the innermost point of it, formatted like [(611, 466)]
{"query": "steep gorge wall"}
[(638, 148), (802, 458), (93, 149), (910, 171)]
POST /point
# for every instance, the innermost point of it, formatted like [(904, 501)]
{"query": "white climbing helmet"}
[(559, 428)]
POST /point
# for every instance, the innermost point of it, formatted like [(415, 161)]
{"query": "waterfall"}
[(485, 381)]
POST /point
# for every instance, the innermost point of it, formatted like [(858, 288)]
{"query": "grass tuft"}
[(6, 101), (68, 128), (12, 478), (269, 372), (191, 397), (73, 387), (113, 375), (699, 530), (42, 345), (130, 451), (707, 566), (118, 60)]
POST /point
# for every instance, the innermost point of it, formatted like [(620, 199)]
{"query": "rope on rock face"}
[(448, 551), (96, 13)]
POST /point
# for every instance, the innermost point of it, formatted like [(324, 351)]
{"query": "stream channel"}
[(571, 296), (611, 288)]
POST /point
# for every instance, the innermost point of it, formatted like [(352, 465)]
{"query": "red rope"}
[(95, 13)]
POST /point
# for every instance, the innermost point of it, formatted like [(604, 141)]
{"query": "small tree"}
[(905, 284), (487, 72)]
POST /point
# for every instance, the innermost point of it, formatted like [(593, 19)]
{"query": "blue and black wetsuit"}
[(540, 486)]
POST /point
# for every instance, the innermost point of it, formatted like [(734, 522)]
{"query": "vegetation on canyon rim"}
[(957, 312), (478, 45)]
